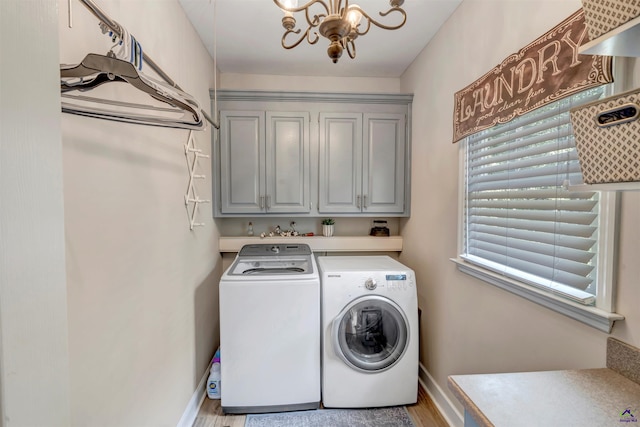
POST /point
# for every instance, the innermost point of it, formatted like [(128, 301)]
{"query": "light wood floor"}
[(424, 414)]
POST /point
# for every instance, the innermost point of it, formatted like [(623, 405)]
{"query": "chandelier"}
[(337, 20)]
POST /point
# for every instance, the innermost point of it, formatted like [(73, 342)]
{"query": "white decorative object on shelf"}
[(191, 199), (327, 227)]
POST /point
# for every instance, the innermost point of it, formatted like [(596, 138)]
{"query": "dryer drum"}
[(371, 334)]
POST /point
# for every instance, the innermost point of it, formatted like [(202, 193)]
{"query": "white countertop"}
[(587, 397), (321, 244)]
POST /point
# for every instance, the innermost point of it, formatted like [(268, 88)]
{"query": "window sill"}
[(592, 316)]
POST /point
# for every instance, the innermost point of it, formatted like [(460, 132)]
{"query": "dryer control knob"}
[(370, 284)]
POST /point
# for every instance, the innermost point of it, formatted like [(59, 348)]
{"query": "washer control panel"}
[(400, 281)]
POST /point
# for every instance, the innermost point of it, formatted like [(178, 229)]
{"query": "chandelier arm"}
[(309, 37), (350, 47), (303, 7), (335, 6), (370, 20), (304, 35), (366, 30), (316, 18)]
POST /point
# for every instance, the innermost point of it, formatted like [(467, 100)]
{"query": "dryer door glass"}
[(371, 333)]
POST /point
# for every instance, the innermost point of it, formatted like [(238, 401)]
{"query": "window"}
[(526, 225)]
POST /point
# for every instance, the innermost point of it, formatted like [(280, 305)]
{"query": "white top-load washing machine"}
[(270, 330), (369, 332)]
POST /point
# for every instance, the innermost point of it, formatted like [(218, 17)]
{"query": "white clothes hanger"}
[(96, 70)]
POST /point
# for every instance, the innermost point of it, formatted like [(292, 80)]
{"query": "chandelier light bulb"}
[(289, 4), (354, 16)]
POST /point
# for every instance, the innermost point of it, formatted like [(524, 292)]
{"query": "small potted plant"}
[(327, 227)]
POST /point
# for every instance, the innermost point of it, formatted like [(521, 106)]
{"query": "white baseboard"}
[(448, 411), (190, 413)]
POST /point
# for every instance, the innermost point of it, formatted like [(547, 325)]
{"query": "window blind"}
[(520, 218)]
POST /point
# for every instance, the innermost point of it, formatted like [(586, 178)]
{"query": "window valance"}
[(544, 71)]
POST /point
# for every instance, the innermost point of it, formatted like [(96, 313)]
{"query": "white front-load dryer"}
[(369, 332)]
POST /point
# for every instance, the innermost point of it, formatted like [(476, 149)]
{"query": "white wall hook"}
[(191, 198)]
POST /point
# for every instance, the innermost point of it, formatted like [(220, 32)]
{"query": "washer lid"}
[(274, 259), (255, 266)]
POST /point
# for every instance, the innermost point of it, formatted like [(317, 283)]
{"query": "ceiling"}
[(249, 34)]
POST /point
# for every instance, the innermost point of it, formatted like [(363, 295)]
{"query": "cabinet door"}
[(242, 151), (383, 160), (340, 171), (287, 162)]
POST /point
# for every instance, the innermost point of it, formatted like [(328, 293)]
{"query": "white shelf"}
[(321, 244), (621, 41)]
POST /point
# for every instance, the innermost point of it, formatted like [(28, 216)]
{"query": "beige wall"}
[(142, 287), (309, 84), (469, 326), (34, 359)]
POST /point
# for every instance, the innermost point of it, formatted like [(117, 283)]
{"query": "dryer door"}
[(370, 334)]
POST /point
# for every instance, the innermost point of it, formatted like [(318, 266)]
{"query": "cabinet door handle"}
[(364, 201), (268, 202), (261, 202), (358, 201)]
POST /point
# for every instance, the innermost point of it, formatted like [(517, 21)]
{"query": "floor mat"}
[(396, 416)]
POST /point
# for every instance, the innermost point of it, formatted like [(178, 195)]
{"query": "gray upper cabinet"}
[(340, 173), (362, 163), (312, 154), (242, 151), (383, 161), (264, 162), (287, 163)]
